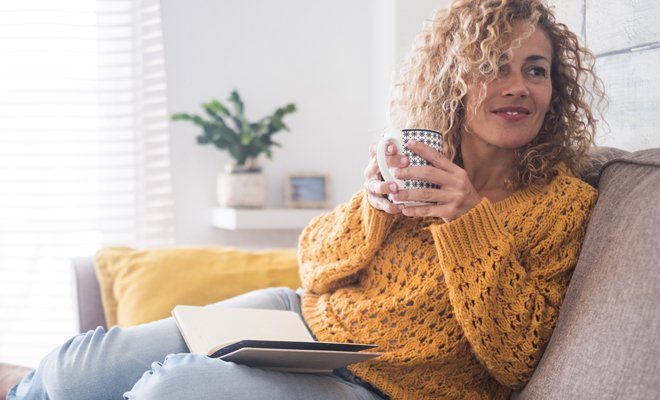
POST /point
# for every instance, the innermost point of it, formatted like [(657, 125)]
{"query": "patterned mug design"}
[(400, 138), (430, 138)]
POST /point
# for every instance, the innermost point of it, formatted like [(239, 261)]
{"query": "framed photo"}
[(307, 190)]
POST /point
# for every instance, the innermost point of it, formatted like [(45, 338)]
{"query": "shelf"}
[(264, 218)]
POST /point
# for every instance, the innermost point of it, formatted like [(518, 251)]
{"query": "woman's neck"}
[(488, 169)]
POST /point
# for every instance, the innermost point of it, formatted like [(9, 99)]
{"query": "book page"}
[(207, 328)]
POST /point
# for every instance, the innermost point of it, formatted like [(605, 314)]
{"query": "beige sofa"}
[(607, 341)]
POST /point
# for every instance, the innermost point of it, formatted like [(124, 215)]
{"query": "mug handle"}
[(380, 157)]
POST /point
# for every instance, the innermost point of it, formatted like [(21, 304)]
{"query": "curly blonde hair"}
[(468, 43)]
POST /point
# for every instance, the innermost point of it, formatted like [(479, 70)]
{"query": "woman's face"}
[(515, 104)]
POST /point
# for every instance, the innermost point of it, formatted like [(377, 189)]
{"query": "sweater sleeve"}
[(335, 247), (507, 299)]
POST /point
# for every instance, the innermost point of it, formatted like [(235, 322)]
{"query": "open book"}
[(268, 339)]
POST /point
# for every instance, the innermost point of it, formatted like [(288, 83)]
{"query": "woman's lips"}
[(512, 113)]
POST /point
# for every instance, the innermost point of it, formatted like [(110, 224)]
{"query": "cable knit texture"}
[(461, 310)]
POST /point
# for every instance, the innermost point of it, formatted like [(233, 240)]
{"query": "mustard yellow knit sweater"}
[(461, 310)]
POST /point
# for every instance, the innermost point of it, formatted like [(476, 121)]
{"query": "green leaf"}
[(214, 106), (239, 123), (221, 143), (237, 152), (203, 139), (218, 107), (181, 117), (239, 137), (236, 100), (198, 120), (213, 114), (290, 108), (255, 127), (277, 124)]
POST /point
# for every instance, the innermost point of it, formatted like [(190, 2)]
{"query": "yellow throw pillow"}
[(144, 286)]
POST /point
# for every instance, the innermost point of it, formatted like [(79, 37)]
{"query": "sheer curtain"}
[(84, 153)]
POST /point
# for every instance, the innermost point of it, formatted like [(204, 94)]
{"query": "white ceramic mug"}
[(399, 138)]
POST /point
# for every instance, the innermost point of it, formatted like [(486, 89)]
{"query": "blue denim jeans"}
[(152, 361)]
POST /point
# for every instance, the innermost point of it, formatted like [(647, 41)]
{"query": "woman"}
[(461, 296)]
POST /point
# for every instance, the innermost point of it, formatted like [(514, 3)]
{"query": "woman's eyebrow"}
[(536, 58)]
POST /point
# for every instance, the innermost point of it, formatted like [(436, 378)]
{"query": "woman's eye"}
[(538, 71)]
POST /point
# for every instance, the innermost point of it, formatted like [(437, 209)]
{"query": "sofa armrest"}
[(88, 307)]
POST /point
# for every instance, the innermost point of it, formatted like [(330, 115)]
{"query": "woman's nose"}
[(514, 85)]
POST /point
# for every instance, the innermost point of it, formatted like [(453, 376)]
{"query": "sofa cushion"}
[(605, 345), (143, 286)]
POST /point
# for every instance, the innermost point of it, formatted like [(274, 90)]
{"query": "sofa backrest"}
[(606, 344)]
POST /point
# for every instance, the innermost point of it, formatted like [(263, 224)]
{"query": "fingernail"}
[(395, 172), (401, 207), (390, 148), (403, 161), (393, 187), (412, 142)]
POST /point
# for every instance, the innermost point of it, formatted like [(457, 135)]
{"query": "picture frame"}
[(307, 190)]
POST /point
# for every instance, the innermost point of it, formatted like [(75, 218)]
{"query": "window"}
[(84, 154)]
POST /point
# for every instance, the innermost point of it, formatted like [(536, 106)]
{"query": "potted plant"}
[(241, 184)]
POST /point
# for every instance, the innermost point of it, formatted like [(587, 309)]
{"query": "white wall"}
[(327, 57), (396, 24), (626, 39), (316, 54), (335, 61)]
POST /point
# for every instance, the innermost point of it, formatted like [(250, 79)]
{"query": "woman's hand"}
[(456, 195), (377, 189)]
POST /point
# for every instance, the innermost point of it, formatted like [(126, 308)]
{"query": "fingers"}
[(382, 203), (389, 150), (372, 172), (423, 211), (446, 203), (374, 181), (380, 187), (436, 158), (425, 173), (377, 189), (447, 211), (455, 197), (437, 196), (393, 159), (372, 149)]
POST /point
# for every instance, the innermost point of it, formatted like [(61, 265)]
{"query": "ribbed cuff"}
[(465, 238), (377, 221)]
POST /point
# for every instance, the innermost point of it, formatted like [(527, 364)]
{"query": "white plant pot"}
[(248, 189)]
